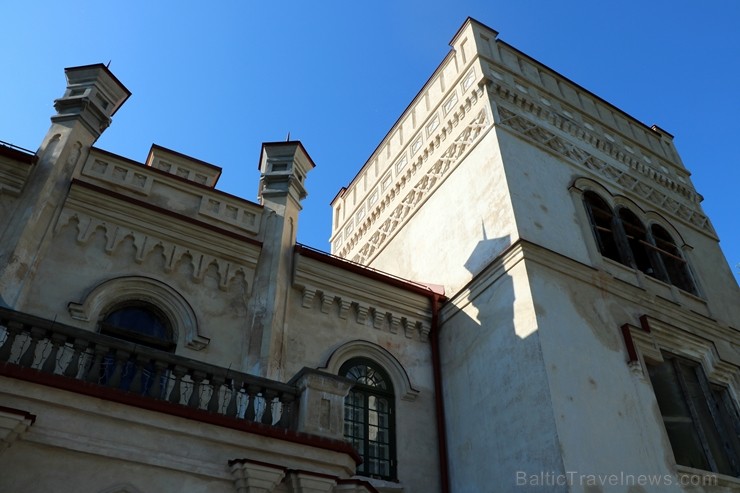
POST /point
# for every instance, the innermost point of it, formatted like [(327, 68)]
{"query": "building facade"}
[(160, 335), (590, 341)]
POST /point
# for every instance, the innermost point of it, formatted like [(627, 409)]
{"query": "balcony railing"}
[(101, 362)]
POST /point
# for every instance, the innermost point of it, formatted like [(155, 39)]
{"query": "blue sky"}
[(215, 79)]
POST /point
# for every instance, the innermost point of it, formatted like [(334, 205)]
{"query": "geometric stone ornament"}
[(637, 177)]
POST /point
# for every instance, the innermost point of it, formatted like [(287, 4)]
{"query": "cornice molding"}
[(368, 302)]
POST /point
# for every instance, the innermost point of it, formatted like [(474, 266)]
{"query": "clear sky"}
[(215, 79)]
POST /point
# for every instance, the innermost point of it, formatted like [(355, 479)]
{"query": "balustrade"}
[(56, 349)]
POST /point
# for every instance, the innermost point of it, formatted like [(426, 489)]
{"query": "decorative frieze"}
[(425, 185), (381, 319), (633, 175), (335, 292), (411, 161), (146, 244)]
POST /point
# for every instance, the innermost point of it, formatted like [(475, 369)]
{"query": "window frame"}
[(714, 396), (168, 343), (636, 244), (367, 391)]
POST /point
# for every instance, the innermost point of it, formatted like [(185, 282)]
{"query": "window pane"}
[(704, 416), (729, 421), (679, 425), (637, 240), (368, 409), (675, 265), (602, 223)]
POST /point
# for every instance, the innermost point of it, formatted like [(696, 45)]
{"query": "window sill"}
[(655, 286), (383, 486), (690, 476)]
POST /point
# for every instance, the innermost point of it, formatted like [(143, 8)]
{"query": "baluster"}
[(73, 366), (158, 375), (119, 362), (231, 408), (213, 402), (138, 368), (194, 400), (175, 396), (269, 395), (12, 329), (250, 413), (30, 354), (94, 374), (50, 364), (287, 401)]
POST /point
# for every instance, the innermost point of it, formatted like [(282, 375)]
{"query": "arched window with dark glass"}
[(676, 267), (369, 418), (602, 223), (638, 243), (141, 323)]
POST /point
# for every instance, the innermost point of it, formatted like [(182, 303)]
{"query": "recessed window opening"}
[(700, 419), (369, 418), (602, 219), (636, 235), (676, 267), (140, 323), (623, 237)]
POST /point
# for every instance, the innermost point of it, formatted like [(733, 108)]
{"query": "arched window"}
[(622, 236), (369, 418), (637, 240), (141, 323), (675, 266), (602, 222)]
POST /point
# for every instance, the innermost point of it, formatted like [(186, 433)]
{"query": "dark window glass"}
[(638, 243), (140, 323), (676, 268), (368, 418), (602, 222), (701, 422)]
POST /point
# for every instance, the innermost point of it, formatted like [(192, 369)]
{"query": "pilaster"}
[(283, 167), (92, 96)]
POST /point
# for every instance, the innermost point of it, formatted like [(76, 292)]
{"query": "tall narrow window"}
[(602, 222), (638, 242), (701, 422), (676, 268), (368, 418)]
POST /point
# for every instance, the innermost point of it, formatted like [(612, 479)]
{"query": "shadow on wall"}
[(497, 399)]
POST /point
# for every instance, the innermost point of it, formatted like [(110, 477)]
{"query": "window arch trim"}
[(363, 349), (107, 295), (643, 253)]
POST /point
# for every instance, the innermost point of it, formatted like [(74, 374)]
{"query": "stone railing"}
[(93, 361)]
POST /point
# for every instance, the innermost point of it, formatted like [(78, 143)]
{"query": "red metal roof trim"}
[(429, 291)]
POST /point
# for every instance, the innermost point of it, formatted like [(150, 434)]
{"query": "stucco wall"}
[(313, 337), (497, 399), (466, 223)]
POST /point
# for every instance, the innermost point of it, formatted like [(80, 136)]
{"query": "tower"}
[(583, 275)]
